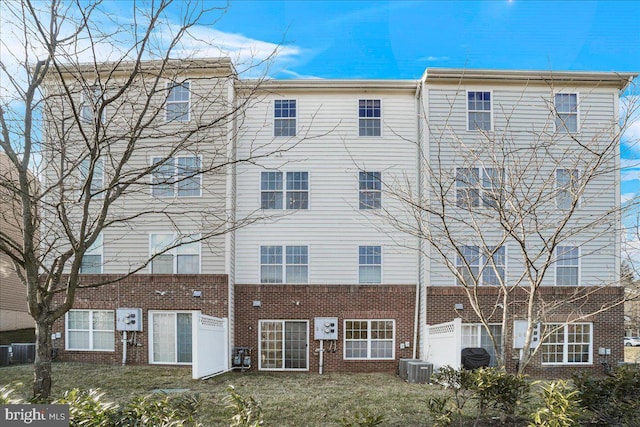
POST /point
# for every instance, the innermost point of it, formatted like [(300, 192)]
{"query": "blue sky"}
[(398, 40)]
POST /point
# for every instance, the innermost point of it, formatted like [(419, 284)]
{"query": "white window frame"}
[(578, 266), (284, 191), (194, 316), (491, 101), (371, 265), (379, 119), (175, 177), (175, 252), (91, 331), (169, 87), (556, 113), (369, 339), (362, 191), (565, 345), (283, 265), (479, 187), (86, 105), (294, 118), (283, 323), (97, 248), (571, 189), (482, 262), (97, 180)]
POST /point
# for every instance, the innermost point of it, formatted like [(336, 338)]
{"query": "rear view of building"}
[(338, 226), (322, 278)]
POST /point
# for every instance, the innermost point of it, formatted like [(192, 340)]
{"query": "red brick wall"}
[(608, 329), (304, 302), (139, 291)]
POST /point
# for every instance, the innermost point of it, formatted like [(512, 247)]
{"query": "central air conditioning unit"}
[(419, 372), (129, 319), (403, 367)]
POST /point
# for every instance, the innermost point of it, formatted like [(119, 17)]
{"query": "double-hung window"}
[(479, 185), (96, 177), (91, 330), (370, 264), (178, 102), (370, 190), (293, 193), (471, 261), (91, 103), (369, 115), (284, 117), (369, 339), (476, 335), (284, 264), (567, 344), (184, 258), (479, 110), (177, 176), (566, 187), (92, 259), (567, 265), (566, 105)]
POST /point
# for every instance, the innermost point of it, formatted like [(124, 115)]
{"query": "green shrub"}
[(561, 406), (7, 393), (491, 389), (362, 419), (159, 410), (495, 388), (442, 412), (88, 408), (611, 400), (247, 412)]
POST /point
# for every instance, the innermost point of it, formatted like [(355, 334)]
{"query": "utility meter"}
[(325, 328), (129, 319)]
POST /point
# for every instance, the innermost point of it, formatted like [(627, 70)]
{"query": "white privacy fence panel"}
[(210, 346), (443, 344)]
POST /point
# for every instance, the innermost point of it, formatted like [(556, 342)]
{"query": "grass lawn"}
[(288, 399)]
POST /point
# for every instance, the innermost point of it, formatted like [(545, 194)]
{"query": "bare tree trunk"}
[(42, 362)]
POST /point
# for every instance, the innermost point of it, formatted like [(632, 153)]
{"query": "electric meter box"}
[(325, 328), (520, 332), (129, 319)]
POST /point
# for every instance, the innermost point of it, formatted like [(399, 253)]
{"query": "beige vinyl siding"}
[(521, 114), (328, 147), (126, 245)]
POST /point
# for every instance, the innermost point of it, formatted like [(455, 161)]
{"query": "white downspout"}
[(124, 348)]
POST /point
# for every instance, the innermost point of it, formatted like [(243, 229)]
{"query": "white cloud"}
[(433, 58), (630, 175), (629, 163), (631, 246), (630, 116), (113, 36), (298, 75), (626, 197)]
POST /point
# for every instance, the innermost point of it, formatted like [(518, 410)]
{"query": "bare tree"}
[(90, 127), (531, 193)]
